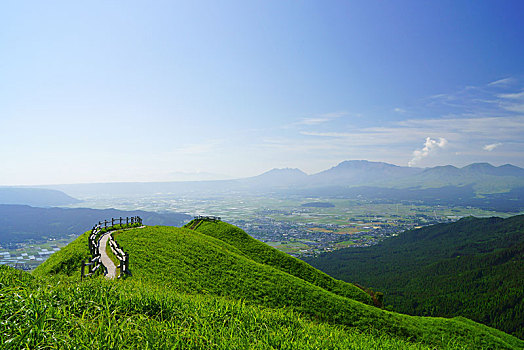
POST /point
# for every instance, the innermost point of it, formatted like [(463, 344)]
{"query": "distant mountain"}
[(488, 169), (442, 171), (483, 177), (479, 184), (472, 268), (18, 223), (475, 169), (35, 196), (359, 172), (278, 178)]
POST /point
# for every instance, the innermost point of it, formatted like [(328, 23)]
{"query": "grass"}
[(100, 314), (182, 277), (264, 254), (68, 260)]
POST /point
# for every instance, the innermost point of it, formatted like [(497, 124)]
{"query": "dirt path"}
[(105, 259)]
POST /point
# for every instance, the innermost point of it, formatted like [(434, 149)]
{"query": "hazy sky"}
[(99, 91)]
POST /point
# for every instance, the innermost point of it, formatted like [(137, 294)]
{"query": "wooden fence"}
[(201, 218), (207, 218), (94, 245), (122, 257)]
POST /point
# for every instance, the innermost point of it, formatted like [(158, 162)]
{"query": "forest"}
[(472, 268)]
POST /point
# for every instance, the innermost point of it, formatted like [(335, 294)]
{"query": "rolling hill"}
[(218, 260), (59, 313), (472, 268)]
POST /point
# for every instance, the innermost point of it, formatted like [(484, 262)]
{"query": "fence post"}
[(127, 220)]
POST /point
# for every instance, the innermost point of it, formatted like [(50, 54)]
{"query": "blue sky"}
[(105, 91)]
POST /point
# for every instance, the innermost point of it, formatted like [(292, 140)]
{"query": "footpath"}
[(104, 257), (100, 240)]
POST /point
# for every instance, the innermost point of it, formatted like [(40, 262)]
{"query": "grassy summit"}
[(264, 254), (274, 300)]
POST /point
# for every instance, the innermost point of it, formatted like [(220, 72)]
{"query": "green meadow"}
[(212, 287)]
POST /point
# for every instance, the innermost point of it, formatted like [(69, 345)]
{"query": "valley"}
[(28, 255), (286, 224)]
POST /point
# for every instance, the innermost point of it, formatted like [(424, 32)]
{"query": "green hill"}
[(264, 254), (100, 314), (218, 263), (472, 268)]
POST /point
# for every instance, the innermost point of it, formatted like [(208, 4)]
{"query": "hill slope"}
[(101, 314), (472, 268), (264, 254), (182, 260)]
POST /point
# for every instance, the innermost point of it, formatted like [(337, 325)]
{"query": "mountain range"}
[(482, 185), (485, 179), (499, 188)]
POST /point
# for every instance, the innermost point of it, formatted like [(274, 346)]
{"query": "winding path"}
[(104, 258)]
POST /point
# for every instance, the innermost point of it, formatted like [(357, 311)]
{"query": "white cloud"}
[(513, 102), (491, 147), (313, 121), (400, 110), (513, 96), (501, 82), (322, 118), (472, 130), (461, 122), (430, 146), (326, 134)]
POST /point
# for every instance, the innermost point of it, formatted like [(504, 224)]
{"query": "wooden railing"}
[(207, 218), (94, 245), (200, 219), (122, 257)]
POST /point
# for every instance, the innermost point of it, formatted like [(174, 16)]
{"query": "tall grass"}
[(99, 314), (264, 254), (264, 307), (193, 262)]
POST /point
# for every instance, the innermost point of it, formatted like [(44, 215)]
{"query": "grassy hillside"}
[(472, 268), (68, 260), (101, 314), (205, 268), (264, 254)]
